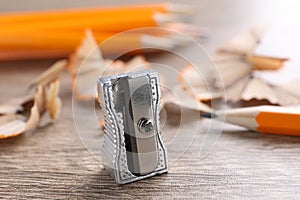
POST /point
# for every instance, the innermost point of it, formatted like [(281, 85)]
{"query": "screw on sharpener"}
[(145, 126), (132, 148)]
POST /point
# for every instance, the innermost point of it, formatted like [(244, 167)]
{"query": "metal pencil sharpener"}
[(132, 148)]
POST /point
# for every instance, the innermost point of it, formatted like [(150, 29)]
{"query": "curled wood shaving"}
[(231, 71), (189, 76), (197, 85), (9, 108), (183, 99), (84, 66), (244, 43), (35, 111), (241, 64), (14, 105), (258, 89), (87, 65), (45, 102), (50, 74), (233, 93), (265, 63), (11, 125), (238, 69), (53, 102)]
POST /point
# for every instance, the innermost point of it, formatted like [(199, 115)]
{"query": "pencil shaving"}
[(257, 89), (236, 63), (265, 63), (45, 101), (14, 105), (238, 69), (181, 98), (87, 65), (231, 71), (53, 102), (285, 97), (243, 44), (198, 85), (11, 125), (6, 109), (190, 76), (233, 93), (50, 74), (34, 117)]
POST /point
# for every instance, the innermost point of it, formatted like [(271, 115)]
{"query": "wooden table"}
[(52, 162)]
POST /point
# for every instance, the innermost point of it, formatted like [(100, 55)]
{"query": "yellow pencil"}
[(61, 45), (56, 33), (103, 12), (117, 18), (264, 119)]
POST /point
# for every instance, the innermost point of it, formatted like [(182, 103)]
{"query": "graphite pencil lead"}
[(208, 115)]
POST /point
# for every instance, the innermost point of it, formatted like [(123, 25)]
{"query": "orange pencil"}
[(97, 23), (111, 11), (49, 39), (57, 32), (265, 119), (60, 44), (68, 39), (12, 55), (117, 18)]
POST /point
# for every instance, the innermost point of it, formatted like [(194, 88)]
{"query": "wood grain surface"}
[(54, 163)]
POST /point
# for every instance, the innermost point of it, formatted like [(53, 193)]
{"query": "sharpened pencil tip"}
[(208, 115)]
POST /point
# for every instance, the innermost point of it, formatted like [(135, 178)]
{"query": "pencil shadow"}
[(174, 115), (101, 184), (13, 141), (260, 138), (22, 139)]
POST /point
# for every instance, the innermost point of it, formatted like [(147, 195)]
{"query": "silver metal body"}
[(132, 148)]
